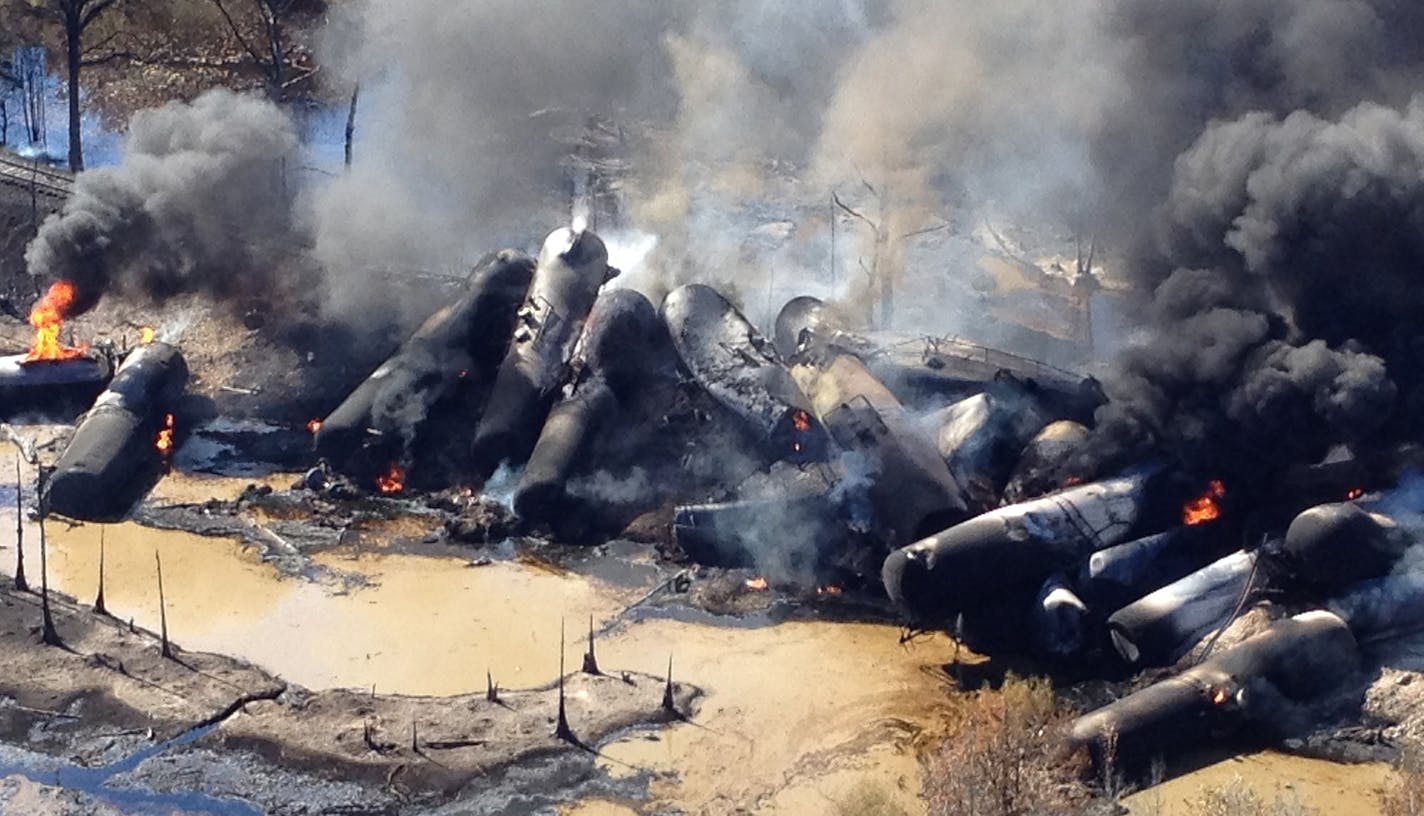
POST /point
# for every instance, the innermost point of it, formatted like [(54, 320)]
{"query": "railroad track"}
[(44, 180)]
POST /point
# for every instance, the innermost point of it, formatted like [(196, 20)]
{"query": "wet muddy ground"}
[(787, 702)]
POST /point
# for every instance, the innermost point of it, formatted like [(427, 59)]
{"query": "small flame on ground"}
[(1072, 481), (1204, 508), (1354, 493), (164, 442), (392, 481), (145, 335), (313, 425), (48, 317), (828, 589), (758, 583), (1219, 696)]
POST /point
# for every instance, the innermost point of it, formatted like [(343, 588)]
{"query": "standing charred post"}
[(743, 372), (50, 636), (590, 660), (21, 585), (458, 347), (166, 651), (623, 349), (113, 458), (572, 266), (99, 598), (669, 700), (561, 728)]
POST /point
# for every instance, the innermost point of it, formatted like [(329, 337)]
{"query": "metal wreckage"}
[(934, 469)]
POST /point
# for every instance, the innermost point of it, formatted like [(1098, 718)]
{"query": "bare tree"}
[(885, 250), (74, 17), (261, 27)]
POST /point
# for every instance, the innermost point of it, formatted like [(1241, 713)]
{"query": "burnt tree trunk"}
[(73, 52), (351, 122)]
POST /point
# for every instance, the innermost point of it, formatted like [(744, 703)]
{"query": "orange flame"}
[(47, 317), (801, 421), (1204, 508), (145, 335), (392, 481), (1072, 481), (313, 425), (1354, 493), (164, 442), (828, 589), (758, 583), (1218, 696)]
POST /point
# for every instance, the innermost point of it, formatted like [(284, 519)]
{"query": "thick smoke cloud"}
[(1258, 165), (1328, 214), (198, 203), (1221, 390)]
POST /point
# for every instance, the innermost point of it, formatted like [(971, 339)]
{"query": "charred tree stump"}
[(21, 585), (669, 700), (99, 598), (165, 650), (561, 728), (49, 635), (590, 660)]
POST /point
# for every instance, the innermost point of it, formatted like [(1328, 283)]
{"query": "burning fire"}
[(758, 583), (1354, 493), (313, 425), (1204, 508), (1218, 696), (164, 442), (145, 335), (828, 589), (392, 481), (47, 317), (801, 421)]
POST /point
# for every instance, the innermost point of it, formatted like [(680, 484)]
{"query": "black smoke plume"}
[(199, 203)]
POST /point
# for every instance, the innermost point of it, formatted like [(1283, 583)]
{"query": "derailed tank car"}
[(114, 454)]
